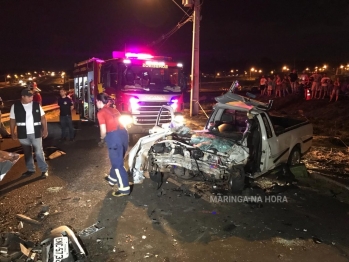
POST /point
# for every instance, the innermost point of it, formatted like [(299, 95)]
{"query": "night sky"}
[(54, 34)]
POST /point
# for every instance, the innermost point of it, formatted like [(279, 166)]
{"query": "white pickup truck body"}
[(239, 137)]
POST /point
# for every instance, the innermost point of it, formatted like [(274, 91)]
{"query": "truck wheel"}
[(236, 181), (295, 157)]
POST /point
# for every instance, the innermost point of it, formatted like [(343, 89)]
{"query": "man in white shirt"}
[(30, 120), (325, 80)]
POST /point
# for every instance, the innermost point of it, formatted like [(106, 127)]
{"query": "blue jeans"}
[(66, 121), (28, 144), (117, 142)]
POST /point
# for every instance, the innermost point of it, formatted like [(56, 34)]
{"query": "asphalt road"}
[(177, 222)]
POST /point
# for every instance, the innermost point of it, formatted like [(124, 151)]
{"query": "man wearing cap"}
[(31, 124)]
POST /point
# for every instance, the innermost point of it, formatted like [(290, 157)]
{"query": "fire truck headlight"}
[(125, 120), (134, 103), (174, 106), (174, 103), (179, 119)]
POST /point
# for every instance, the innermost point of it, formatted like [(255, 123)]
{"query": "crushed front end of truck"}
[(180, 151)]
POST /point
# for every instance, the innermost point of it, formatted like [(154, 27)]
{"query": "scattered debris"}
[(54, 189), (66, 198), (90, 230), (24, 250), (154, 221), (56, 154), (230, 227), (20, 225), (28, 219), (289, 242), (144, 237), (317, 240)]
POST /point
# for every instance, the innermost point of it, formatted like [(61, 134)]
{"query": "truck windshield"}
[(138, 78)]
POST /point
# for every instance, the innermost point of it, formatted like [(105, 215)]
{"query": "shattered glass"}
[(182, 131), (211, 142)]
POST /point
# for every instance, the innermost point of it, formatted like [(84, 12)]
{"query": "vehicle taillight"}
[(134, 103)]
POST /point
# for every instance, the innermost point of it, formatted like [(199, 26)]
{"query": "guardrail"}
[(6, 117)]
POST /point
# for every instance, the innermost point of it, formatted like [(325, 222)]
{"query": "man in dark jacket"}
[(30, 120), (66, 106), (293, 79)]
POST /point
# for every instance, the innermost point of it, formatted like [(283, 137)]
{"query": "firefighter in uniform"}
[(116, 138)]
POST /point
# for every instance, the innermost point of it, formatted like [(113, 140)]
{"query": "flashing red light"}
[(139, 55)]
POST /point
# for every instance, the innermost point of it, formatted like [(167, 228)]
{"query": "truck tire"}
[(236, 181), (294, 157)]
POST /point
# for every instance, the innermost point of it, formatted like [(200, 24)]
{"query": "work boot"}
[(28, 173), (119, 194), (109, 183), (44, 174)]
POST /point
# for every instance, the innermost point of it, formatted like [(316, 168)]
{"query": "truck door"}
[(273, 152)]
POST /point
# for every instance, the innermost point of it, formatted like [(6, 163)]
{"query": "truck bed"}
[(284, 124)]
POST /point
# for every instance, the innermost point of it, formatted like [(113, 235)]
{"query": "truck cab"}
[(271, 140), (141, 84)]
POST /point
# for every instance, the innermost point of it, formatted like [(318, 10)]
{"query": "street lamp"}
[(251, 70), (63, 76)]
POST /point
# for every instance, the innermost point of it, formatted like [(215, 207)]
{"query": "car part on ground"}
[(61, 246)]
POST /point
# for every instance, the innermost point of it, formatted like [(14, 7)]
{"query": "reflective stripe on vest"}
[(20, 124), (37, 123)]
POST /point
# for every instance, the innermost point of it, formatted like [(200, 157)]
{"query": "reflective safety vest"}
[(20, 116)]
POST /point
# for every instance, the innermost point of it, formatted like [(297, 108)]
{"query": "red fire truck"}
[(139, 83)]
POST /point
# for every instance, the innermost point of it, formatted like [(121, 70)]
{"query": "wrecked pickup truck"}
[(241, 139)]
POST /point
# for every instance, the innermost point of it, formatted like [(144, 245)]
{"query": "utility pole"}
[(195, 71)]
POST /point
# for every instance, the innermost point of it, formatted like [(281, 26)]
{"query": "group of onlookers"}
[(314, 86)]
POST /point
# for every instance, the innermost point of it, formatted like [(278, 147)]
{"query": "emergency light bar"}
[(138, 56)]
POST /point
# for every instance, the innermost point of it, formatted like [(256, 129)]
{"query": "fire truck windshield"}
[(151, 79)]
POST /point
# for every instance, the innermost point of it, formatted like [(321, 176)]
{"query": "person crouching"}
[(116, 138)]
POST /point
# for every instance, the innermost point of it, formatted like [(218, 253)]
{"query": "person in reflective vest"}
[(116, 138), (30, 120)]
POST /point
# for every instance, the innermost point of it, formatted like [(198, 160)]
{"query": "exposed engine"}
[(203, 154)]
